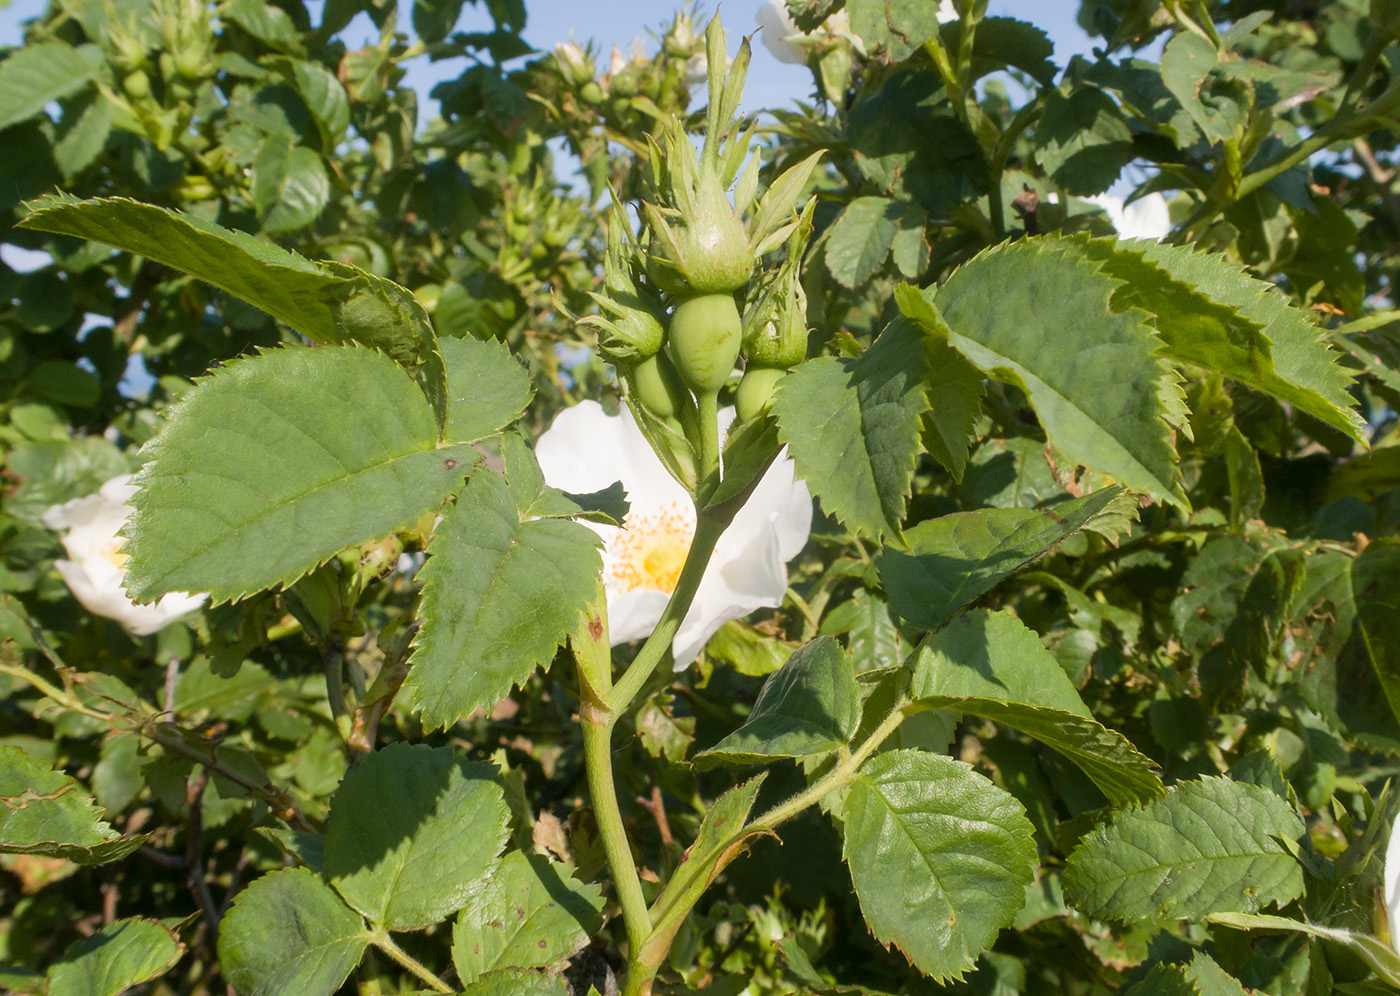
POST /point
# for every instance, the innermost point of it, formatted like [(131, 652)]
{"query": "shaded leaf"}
[(953, 559), (513, 983), (810, 705), (122, 954), (289, 934), (34, 75), (258, 480), (957, 849), (955, 391), (861, 238), (532, 913), (1082, 141), (412, 831)]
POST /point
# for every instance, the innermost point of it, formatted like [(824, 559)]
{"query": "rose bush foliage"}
[(1033, 618)]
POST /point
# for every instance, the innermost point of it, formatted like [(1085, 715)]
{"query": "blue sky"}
[(617, 22)]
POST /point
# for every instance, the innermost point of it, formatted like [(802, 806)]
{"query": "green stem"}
[(707, 477), (380, 938), (686, 887), (597, 754), (708, 530)]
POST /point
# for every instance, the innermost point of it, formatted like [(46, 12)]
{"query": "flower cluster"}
[(95, 572)]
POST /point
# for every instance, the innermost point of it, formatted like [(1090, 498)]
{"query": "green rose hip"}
[(658, 387), (704, 338)]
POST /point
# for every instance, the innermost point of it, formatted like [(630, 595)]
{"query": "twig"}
[(194, 851), (172, 675), (657, 808), (740, 935)]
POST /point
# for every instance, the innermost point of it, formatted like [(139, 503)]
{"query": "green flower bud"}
[(631, 326), (704, 340), (137, 84), (755, 394), (706, 244)]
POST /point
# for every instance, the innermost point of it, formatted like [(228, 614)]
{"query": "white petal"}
[(1146, 218), (946, 12), (118, 490), (777, 27), (632, 615), (1392, 884)]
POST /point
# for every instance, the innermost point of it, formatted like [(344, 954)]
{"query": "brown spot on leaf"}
[(595, 628), (449, 463)]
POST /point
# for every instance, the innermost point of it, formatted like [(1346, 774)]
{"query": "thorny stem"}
[(380, 938)]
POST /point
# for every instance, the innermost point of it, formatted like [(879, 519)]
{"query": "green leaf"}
[(308, 848), (1163, 980), (325, 97), (487, 388), (1104, 395), (991, 664), (810, 705), (906, 141), (326, 302), (411, 831), (940, 858), (1217, 101), (1211, 313), (275, 463), (288, 287), (896, 28), (1380, 956), (122, 954), (1210, 979), (1082, 141), (290, 188), (289, 934), (955, 392), (1002, 42), (1375, 580), (87, 124), (1210, 846), (721, 834), (43, 811), (34, 75), (514, 983), (910, 250), (499, 595), (873, 639), (433, 19), (861, 238), (531, 914), (852, 427), (953, 559)]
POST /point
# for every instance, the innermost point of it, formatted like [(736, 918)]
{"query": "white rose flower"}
[(95, 574), (788, 44), (1145, 218), (586, 450)]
